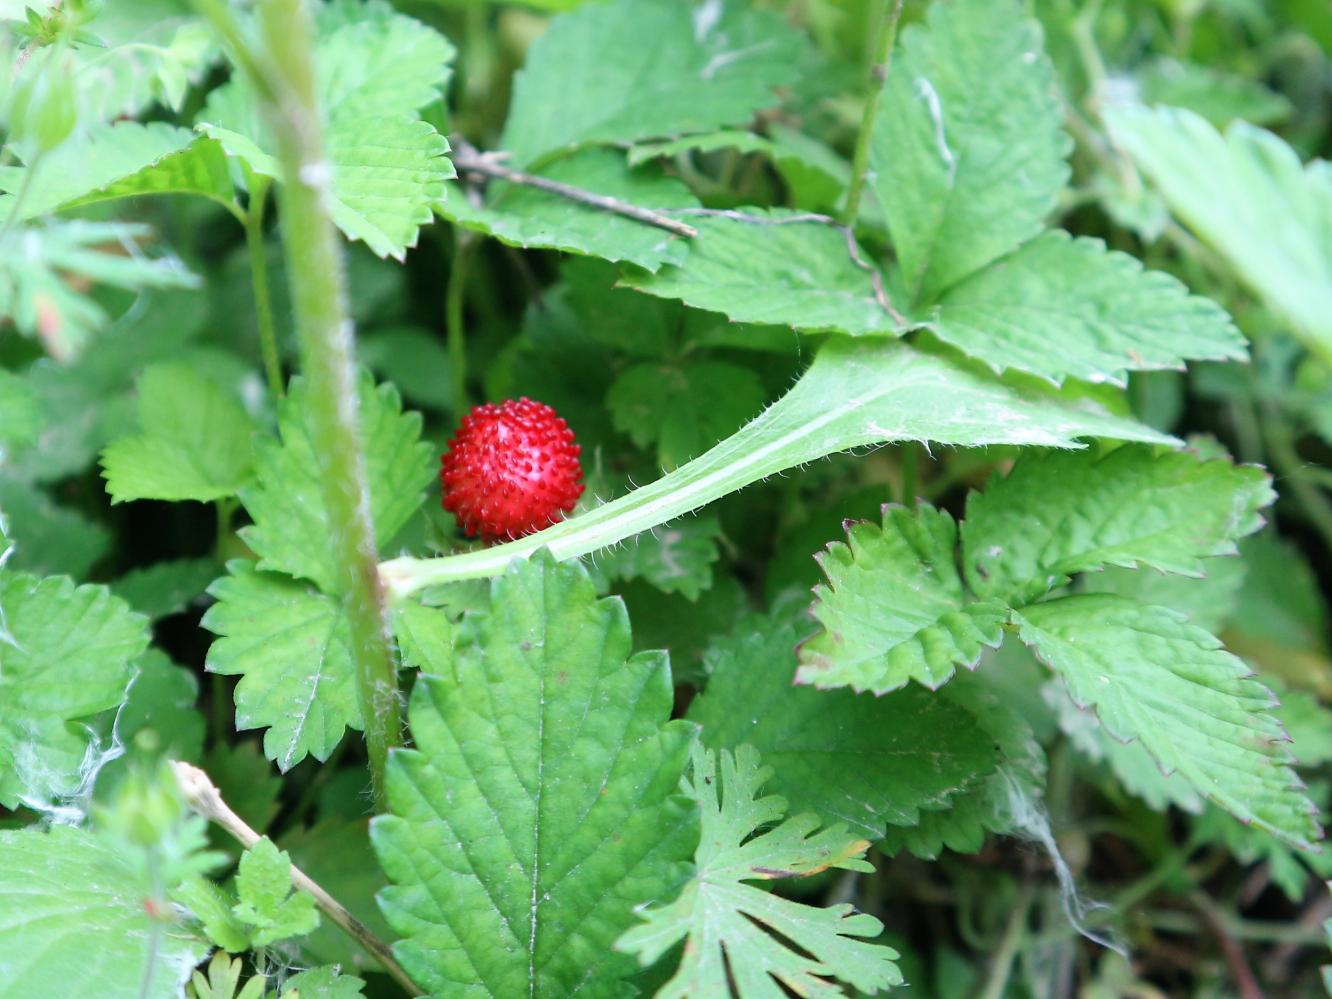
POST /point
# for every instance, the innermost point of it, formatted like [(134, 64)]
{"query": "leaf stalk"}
[(881, 63)]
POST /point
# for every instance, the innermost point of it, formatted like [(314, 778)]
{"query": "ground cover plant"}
[(667, 498)]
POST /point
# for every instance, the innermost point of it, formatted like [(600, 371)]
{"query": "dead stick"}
[(468, 160), (203, 796)]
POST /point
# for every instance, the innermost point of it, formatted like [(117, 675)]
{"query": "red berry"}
[(511, 469)]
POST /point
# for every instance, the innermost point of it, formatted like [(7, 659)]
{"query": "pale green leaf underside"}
[(291, 646), (531, 218), (1154, 677), (195, 443), (119, 160), (1058, 514), (1247, 195), (640, 69), (73, 922), (863, 761), (291, 529), (856, 393), (738, 937), (539, 806), (65, 655), (778, 267), (968, 152), (894, 608), (1061, 307)]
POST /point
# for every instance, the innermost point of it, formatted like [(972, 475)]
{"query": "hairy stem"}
[(319, 300), (263, 303), (879, 66), (202, 795)]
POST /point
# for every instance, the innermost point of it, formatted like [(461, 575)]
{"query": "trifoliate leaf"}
[(1002, 801), (195, 442), (540, 798), (120, 160), (266, 901), (65, 655), (683, 409), (37, 261), (291, 646), (776, 267), (675, 558), (49, 539), (20, 409), (968, 154), (863, 761), (165, 588), (528, 217), (740, 940), (1058, 514), (1246, 195), (894, 608), (74, 921), (1061, 307), (290, 531), (710, 66), (1154, 677), (336, 854)]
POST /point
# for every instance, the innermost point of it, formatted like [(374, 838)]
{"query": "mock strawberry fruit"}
[(511, 469)]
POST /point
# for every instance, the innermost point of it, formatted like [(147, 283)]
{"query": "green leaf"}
[(223, 981), (20, 410), (120, 160), (67, 654), (894, 608), (775, 266), (74, 922), (1002, 801), (525, 216), (856, 393), (1246, 195), (739, 939), (336, 854), (195, 443), (290, 531), (540, 799), (864, 761), (1218, 96), (415, 360), (1208, 601), (684, 409), (968, 154), (1154, 677), (49, 539), (291, 646), (1058, 514), (1061, 307), (246, 780), (322, 983), (676, 558), (37, 262), (266, 900), (165, 588), (161, 698), (710, 66)]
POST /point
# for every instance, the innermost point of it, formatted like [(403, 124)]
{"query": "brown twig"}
[(202, 795), (468, 160), (1231, 949)]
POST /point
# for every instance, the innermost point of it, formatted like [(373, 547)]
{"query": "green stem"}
[(454, 299), (263, 303), (319, 301), (1001, 968), (910, 453), (880, 63)]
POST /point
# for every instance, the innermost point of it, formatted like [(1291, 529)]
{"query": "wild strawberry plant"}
[(886, 546)]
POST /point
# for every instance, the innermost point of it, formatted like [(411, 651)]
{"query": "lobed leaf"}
[(540, 804), (894, 608)]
